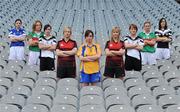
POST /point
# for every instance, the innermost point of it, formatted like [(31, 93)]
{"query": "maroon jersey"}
[(66, 46), (115, 46)]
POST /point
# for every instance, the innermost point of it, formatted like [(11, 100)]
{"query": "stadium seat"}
[(149, 108), (91, 90), (35, 108), (112, 82), (9, 108), (121, 108), (91, 100), (65, 100), (17, 100), (63, 108), (115, 90)]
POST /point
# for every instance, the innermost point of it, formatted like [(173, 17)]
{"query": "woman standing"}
[(148, 51), (17, 36), (114, 49), (164, 38), (47, 45), (89, 55), (133, 44), (33, 41), (66, 50)]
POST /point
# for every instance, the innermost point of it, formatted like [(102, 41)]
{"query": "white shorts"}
[(162, 53), (148, 58), (16, 53), (33, 58)]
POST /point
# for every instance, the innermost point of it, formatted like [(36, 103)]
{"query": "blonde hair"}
[(113, 30), (34, 25), (67, 27)]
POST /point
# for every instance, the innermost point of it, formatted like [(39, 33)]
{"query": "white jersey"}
[(133, 52), (47, 41)]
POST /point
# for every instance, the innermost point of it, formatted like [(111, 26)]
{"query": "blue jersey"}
[(17, 33)]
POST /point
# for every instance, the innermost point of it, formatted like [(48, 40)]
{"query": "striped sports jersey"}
[(163, 33), (47, 41)]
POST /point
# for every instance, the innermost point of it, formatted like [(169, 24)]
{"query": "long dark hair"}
[(160, 21)]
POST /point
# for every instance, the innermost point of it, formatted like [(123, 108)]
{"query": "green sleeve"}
[(153, 35), (140, 35), (30, 34)]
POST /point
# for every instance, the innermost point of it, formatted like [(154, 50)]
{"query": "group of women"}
[(138, 49)]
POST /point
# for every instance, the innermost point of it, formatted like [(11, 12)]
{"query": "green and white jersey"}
[(150, 36), (35, 36)]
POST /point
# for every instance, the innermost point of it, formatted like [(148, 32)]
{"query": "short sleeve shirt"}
[(17, 33)]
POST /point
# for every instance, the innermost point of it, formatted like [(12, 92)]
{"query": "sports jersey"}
[(133, 52), (35, 37), (161, 33), (89, 67), (18, 33), (66, 46), (47, 41), (150, 36), (116, 46)]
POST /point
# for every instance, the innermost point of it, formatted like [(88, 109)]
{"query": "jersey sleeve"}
[(57, 46), (98, 48), (141, 42), (54, 42), (24, 32), (140, 35), (75, 44), (107, 45), (157, 33), (155, 36), (29, 35), (40, 40), (126, 40), (123, 46), (11, 33), (79, 51), (168, 33)]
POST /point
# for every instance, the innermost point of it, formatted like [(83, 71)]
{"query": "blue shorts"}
[(90, 78)]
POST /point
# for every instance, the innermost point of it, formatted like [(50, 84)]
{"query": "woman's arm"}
[(119, 53), (108, 52), (52, 47), (151, 42), (60, 53), (139, 47), (71, 52), (86, 59), (130, 46), (43, 46), (12, 39)]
